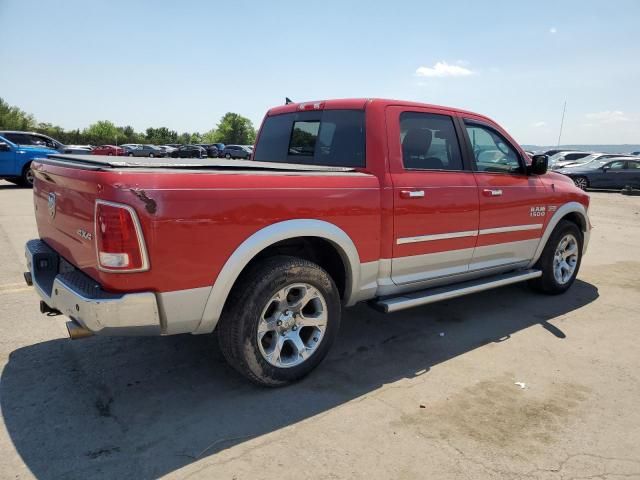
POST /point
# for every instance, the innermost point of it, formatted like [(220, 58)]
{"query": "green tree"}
[(235, 129), (209, 137), (100, 132), (12, 118)]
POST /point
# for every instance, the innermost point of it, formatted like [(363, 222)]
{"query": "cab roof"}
[(358, 104)]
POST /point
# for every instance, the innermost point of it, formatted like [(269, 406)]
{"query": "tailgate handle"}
[(412, 193)]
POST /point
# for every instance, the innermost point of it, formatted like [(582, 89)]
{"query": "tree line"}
[(232, 129)]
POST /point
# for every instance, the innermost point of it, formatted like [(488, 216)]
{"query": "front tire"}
[(27, 177), (280, 320), (560, 259)]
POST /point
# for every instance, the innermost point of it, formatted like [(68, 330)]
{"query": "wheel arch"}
[(300, 233), (574, 212)]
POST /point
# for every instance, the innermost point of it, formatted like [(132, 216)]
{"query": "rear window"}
[(328, 137)]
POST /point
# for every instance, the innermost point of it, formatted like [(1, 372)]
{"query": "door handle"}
[(488, 192), (412, 193)]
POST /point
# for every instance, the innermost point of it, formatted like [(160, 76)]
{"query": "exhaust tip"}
[(28, 278), (77, 331)]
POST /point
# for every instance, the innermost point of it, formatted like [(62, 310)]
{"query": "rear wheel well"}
[(315, 249)]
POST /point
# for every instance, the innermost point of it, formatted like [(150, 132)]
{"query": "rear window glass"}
[(329, 137)]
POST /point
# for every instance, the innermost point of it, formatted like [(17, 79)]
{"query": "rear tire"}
[(280, 320), (581, 182), (560, 259)]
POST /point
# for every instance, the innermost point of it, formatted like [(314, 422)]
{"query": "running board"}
[(424, 297)]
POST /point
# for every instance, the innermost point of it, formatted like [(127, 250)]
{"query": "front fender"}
[(564, 210)]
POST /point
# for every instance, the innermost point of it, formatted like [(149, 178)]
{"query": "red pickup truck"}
[(398, 203)]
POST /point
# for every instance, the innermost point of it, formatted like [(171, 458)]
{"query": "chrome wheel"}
[(580, 182), (565, 259), (292, 325)]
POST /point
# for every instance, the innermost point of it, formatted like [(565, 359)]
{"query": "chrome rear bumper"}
[(66, 289)]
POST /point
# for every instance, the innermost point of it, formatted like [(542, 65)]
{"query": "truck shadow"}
[(144, 407)]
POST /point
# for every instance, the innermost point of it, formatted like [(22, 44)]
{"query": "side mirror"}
[(539, 165), (4, 147), (606, 168)]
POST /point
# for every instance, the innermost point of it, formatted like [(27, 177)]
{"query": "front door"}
[(512, 212), (435, 197)]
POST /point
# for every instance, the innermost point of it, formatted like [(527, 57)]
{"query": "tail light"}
[(119, 242)]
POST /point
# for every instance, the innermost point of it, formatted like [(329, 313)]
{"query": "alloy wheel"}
[(292, 325), (565, 259)]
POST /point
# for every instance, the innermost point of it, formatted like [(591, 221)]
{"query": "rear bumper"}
[(66, 289)]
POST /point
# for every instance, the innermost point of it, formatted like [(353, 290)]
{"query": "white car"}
[(566, 156)]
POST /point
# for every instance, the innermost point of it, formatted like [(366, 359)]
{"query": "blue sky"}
[(183, 64)]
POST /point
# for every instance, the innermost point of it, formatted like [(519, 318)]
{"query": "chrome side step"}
[(432, 295)]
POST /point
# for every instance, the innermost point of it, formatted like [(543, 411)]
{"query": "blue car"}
[(15, 160)]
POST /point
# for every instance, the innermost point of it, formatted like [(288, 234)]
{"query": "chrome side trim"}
[(494, 255), (571, 207), (417, 268), (267, 236), (438, 236), (138, 228), (452, 291), (513, 228), (468, 233)]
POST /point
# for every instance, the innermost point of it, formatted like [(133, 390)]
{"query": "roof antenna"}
[(562, 122), (287, 100)]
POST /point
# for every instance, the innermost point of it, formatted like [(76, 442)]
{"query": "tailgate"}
[(64, 201)]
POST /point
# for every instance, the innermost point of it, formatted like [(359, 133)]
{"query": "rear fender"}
[(263, 239)]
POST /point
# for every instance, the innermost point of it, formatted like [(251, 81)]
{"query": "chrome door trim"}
[(437, 236), (512, 228)]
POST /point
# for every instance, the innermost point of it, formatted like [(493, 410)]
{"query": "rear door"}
[(435, 197), (633, 173), (512, 204)]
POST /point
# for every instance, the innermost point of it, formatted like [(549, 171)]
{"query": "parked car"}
[(585, 160), (566, 156), (109, 150), (220, 147), (167, 149), (612, 173), (16, 160), (211, 149), (189, 151), (235, 151), (550, 153), (145, 151), (269, 255), (32, 139)]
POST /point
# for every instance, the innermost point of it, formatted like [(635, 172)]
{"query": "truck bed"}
[(101, 162)]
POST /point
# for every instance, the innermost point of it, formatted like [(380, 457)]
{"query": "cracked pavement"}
[(394, 399)]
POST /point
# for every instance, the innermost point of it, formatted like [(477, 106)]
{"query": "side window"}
[(429, 142), (18, 138), (492, 152), (633, 165), (619, 165)]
